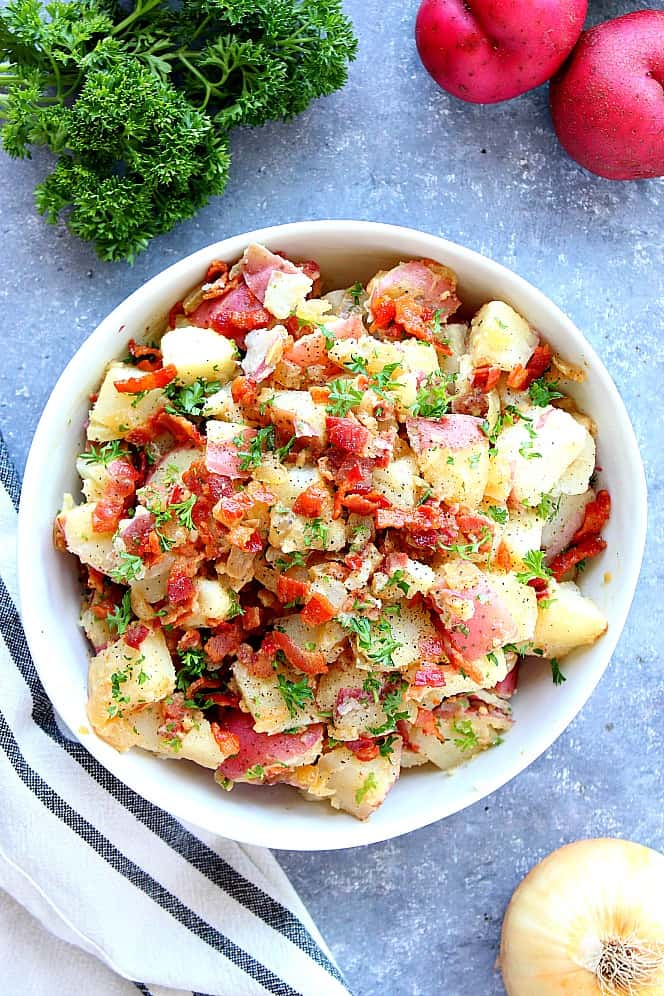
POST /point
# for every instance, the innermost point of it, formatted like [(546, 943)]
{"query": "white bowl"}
[(278, 817)]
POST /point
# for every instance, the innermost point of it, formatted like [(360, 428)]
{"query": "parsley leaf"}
[(189, 399), (315, 531), (343, 397), (543, 392), (536, 568), (356, 292), (193, 664), (129, 569), (556, 674), (120, 617), (113, 450), (467, 739), (497, 514), (367, 785), (295, 694)]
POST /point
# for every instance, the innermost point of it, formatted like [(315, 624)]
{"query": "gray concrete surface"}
[(421, 915)]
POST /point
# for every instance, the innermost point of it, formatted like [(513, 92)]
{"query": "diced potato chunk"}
[(95, 477), (493, 669), (95, 549), (266, 703), (97, 630), (221, 405), (328, 637), (359, 713), (289, 532), (522, 532), (285, 292), (141, 729), (295, 411), (500, 337), (520, 601), (377, 353), (418, 357), (397, 481), (114, 414), (200, 353), (122, 678), (460, 737), (211, 605), (407, 629), (569, 620), (359, 786), (169, 471), (576, 478), (539, 449)]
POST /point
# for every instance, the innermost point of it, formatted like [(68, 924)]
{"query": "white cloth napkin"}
[(160, 903)]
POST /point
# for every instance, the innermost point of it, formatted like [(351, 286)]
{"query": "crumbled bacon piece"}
[(595, 516), (584, 550), (227, 742), (520, 378), (364, 749), (486, 378), (225, 641), (148, 382), (309, 661), (318, 610)]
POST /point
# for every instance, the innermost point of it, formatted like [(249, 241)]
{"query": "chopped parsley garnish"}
[(383, 646), (425, 496), (257, 773), (343, 397), (492, 659), (386, 747), (372, 686), (356, 292), (194, 663), (367, 785), (556, 674), (315, 531), (433, 398), (263, 440), (120, 618), (543, 392), (295, 559), (536, 568), (497, 514), (361, 626), (295, 694), (183, 510), (283, 451), (398, 579), (261, 443), (235, 608), (357, 364), (103, 454), (382, 381), (392, 707), (547, 507), (190, 399), (129, 569), (467, 739)]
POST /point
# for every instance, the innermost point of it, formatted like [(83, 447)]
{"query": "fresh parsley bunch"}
[(136, 102)]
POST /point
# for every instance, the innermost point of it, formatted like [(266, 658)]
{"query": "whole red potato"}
[(607, 102), (484, 51)]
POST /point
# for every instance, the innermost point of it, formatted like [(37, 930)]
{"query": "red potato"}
[(475, 618), (607, 102), (278, 750), (484, 51)]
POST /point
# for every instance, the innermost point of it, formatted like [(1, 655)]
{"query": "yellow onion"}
[(587, 921)]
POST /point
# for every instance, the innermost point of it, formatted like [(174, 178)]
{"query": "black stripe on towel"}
[(193, 850), (137, 876), (8, 475)]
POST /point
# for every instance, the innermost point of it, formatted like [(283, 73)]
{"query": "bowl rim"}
[(356, 833)]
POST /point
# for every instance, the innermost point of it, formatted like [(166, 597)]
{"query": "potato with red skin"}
[(607, 102), (485, 51)]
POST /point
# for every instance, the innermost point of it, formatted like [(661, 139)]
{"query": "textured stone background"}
[(421, 915)]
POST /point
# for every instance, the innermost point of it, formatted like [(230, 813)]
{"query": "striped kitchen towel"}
[(162, 904)]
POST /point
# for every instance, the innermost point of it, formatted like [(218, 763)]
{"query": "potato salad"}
[(320, 533)]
